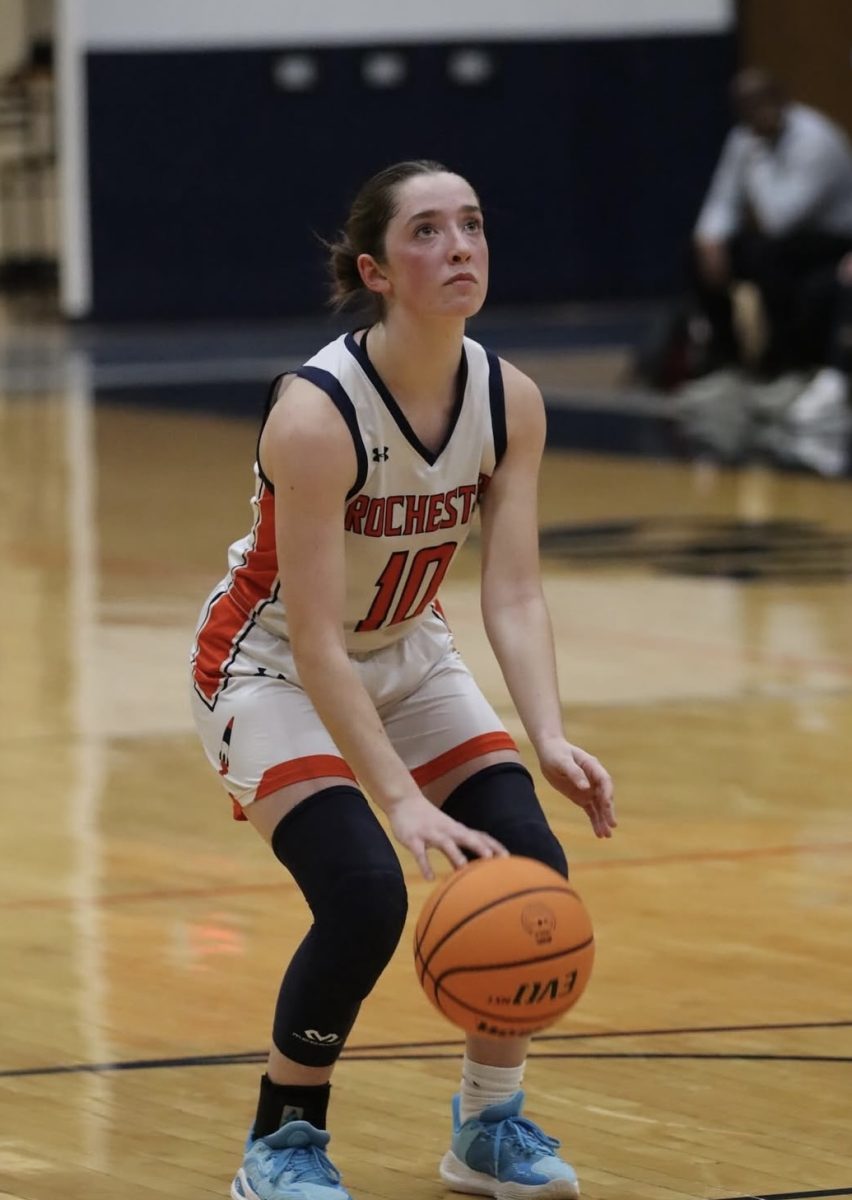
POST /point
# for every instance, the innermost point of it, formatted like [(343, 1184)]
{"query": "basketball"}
[(503, 947)]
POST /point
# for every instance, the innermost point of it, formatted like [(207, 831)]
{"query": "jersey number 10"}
[(404, 584)]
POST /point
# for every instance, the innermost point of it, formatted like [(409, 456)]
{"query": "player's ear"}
[(372, 274)]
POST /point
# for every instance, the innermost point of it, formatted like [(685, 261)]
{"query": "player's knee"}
[(348, 872), (501, 800), (366, 922), (540, 842), (357, 925)]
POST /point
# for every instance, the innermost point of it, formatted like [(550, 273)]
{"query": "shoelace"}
[(302, 1162), (526, 1134)]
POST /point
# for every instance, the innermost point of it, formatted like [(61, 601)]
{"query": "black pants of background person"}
[(839, 353), (795, 277)]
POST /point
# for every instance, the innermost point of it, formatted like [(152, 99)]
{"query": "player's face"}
[(436, 255)]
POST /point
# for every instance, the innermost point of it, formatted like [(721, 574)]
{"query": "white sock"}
[(482, 1086)]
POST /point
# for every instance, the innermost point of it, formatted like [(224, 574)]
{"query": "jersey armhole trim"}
[(337, 394), (497, 400), (267, 409)]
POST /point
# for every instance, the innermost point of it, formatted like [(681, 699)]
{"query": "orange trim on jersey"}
[(237, 809), (439, 609), (472, 748), (297, 770), (250, 584)]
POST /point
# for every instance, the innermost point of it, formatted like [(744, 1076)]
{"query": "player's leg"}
[(288, 780), (495, 1150), (490, 1135), (337, 852), (465, 761), (348, 871)]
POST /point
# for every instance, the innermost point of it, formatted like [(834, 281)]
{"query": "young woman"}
[(324, 671)]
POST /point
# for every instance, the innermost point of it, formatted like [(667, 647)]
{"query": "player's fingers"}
[(603, 784), (576, 776), (596, 773), (593, 812), (487, 847), (418, 848), (448, 847), (607, 820), (605, 806), (602, 827), (595, 821), (478, 843)]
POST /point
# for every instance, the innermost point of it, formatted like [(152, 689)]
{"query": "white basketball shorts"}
[(261, 733)]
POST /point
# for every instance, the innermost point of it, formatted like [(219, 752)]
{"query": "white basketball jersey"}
[(407, 513)]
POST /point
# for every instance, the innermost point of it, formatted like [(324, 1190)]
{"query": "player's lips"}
[(462, 277)]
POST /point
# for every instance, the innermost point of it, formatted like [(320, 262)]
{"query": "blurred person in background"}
[(777, 218), (821, 415), (779, 209)]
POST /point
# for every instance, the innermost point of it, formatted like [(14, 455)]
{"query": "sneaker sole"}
[(461, 1178), (240, 1189)]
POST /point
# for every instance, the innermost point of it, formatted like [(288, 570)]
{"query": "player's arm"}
[(308, 455), (515, 611)]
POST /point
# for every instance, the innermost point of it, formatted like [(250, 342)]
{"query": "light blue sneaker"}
[(502, 1154), (290, 1164)]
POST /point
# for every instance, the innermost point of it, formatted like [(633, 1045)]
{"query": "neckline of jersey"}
[(358, 350)]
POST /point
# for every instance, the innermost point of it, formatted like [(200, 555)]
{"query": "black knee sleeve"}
[(342, 860), (501, 800)]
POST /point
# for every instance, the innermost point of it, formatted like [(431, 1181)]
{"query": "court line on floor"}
[(844, 1191), (598, 1034), (431, 1051), (260, 1057), (241, 889), (637, 1055)]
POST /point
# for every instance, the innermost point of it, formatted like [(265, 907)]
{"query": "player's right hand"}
[(420, 826)]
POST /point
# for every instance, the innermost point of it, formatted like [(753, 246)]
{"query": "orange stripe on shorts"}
[(297, 770), (485, 743)]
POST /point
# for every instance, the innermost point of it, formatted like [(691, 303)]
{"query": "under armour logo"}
[(325, 1039), (380, 454)]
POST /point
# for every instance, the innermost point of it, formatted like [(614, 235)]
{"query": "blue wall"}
[(208, 183)]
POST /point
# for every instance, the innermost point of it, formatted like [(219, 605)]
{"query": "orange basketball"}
[(503, 947)]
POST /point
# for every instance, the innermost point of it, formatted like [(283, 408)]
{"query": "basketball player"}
[(324, 671)]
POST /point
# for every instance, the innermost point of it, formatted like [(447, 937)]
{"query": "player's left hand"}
[(581, 778)]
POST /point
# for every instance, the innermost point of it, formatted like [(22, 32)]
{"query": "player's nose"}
[(459, 249)]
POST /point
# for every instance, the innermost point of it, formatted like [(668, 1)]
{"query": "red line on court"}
[(247, 889)]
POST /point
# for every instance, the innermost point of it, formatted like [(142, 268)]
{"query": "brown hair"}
[(364, 232)]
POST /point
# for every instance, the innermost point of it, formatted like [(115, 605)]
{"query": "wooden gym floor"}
[(705, 644)]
